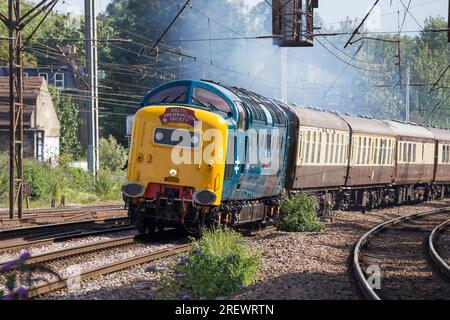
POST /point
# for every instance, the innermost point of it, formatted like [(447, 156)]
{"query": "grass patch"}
[(44, 182), (218, 265), (299, 214)]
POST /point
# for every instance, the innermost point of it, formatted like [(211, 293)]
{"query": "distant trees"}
[(69, 121), (376, 89)]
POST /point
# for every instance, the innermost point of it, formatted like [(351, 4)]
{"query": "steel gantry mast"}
[(92, 77), (16, 22)]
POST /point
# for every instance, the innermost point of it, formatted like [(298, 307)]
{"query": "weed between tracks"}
[(218, 265)]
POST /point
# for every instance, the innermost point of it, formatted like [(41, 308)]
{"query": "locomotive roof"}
[(410, 130), (370, 126), (320, 119), (440, 134)]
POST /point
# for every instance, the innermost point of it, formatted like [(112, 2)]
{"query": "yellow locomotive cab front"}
[(177, 153)]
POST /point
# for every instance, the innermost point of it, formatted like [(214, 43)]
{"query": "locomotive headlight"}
[(204, 197), (173, 172), (159, 136)]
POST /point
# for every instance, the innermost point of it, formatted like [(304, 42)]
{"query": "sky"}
[(384, 18)]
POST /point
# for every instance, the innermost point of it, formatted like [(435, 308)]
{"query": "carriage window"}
[(414, 153), (405, 152), (375, 142), (409, 152), (336, 156), (342, 148), (308, 139), (208, 98), (445, 154), (313, 147), (319, 147), (380, 151), (388, 151), (327, 147), (346, 150), (175, 94), (358, 158), (364, 151), (447, 157), (332, 148)]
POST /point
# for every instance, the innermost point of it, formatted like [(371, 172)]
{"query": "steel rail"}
[(367, 290), (434, 255), (70, 209), (75, 250), (106, 269), (49, 228), (67, 236)]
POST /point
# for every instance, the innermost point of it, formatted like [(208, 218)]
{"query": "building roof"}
[(31, 91), (31, 88)]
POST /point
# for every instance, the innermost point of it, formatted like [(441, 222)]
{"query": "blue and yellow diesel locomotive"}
[(202, 155)]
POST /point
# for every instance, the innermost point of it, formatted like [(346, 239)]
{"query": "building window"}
[(59, 80), (44, 74)]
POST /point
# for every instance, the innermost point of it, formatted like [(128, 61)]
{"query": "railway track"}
[(391, 260), (440, 233), (56, 228), (115, 266), (75, 250), (64, 282), (22, 238), (63, 214)]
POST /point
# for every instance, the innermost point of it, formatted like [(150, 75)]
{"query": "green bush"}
[(4, 177), (109, 184), (299, 214), (113, 155), (218, 265), (44, 182)]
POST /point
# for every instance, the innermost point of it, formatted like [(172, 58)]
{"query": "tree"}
[(112, 155), (69, 121), (57, 29)]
